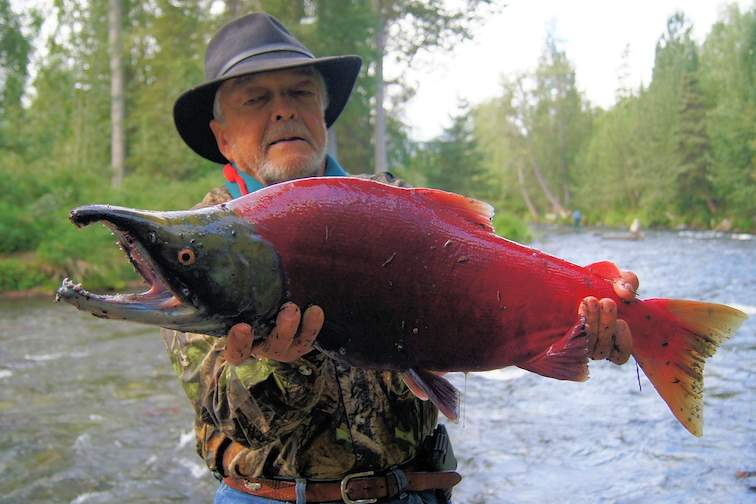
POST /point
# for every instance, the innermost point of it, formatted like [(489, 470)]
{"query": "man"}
[(276, 420)]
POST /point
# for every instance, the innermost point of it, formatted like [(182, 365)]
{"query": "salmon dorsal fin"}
[(475, 211)]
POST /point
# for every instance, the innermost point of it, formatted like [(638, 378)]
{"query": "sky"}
[(594, 34)]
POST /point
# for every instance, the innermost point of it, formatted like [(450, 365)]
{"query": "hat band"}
[(262, 50)]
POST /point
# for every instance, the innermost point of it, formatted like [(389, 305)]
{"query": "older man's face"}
[(274, 127)]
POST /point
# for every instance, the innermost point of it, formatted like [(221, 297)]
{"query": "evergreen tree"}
[(728, 82), (694, 195), (15, 53), (452, 162), (662, 162), (166, 45)]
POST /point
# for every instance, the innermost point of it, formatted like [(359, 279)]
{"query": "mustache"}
[(281, 131)]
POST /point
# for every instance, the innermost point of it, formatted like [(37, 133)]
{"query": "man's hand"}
[(609, 338), (288, 340)]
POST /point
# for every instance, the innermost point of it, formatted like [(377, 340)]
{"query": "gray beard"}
[(271, 173)]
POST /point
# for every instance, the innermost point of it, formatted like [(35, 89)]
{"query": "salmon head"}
[(206, 269)]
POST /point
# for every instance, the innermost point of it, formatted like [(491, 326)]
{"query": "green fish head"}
[(207, 269)]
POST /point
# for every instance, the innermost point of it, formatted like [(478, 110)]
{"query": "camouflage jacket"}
[(314, 418)]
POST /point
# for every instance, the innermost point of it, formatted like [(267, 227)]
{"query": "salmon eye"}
[(186, 256)]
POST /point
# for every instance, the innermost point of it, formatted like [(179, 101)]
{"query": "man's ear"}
[(222, 137)]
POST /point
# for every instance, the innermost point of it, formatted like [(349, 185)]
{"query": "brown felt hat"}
[(252, 44)]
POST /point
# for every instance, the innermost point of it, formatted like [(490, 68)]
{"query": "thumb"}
[(239, 344)]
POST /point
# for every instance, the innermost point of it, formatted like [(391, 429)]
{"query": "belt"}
[(357, 488)]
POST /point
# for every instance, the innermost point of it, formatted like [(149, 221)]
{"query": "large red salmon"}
[(410, 280)]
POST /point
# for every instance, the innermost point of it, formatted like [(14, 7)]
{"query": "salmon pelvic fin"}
[(428, 385), (566, 359), (674, 362)]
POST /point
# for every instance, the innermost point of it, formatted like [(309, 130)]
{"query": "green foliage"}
[(16, 275), (452, 162), (20, 231), (512, 228), (679, 152)]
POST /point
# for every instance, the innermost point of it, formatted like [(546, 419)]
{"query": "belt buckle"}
[(346, 481)]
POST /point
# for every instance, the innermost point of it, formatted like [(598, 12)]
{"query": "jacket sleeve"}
[(260, 401), (254, 403)]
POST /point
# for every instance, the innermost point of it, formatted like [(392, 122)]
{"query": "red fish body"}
[(417, 280), (410, 280), (417, 276)]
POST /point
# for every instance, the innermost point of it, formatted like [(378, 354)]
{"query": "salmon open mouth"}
[(158, 300)]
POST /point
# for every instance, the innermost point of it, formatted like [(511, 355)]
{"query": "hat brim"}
[(193, 109)]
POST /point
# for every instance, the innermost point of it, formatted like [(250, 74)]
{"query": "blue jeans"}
[(228, 495)]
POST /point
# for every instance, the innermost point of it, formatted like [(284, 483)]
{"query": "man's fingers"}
[(589, 309), (312, 322), (280, 339), (239, 344), (608, 338), (627, 286), (606, 326), (286, 342), (623, 344)]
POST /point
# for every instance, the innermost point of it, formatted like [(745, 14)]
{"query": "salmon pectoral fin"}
[(691, 331), (566, 359), (428, 385)]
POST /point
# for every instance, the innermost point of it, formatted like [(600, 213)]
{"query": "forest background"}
[(86, 116)]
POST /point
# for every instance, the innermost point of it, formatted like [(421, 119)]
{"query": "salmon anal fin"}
[(567, 359), (674, 362), (472, 210), (428, 385)]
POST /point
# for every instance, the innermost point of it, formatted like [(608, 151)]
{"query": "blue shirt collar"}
[(332, 169)]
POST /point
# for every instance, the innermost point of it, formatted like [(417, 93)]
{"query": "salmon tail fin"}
[(567, 359), (674, 363), (428, 385)]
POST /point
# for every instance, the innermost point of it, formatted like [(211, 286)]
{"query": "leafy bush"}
[(19, 275), (511, 227), (89, 255)]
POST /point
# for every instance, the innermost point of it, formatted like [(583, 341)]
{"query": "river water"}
[(90, 411)]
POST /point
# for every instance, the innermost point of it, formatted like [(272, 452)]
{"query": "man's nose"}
[(283, 110)]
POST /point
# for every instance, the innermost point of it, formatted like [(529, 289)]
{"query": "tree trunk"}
[(524, 190), (556, 205), (117, 106), (561, 142), (379, 126), (232, 9)]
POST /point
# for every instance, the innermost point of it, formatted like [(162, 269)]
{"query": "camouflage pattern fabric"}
[(314, 418)]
